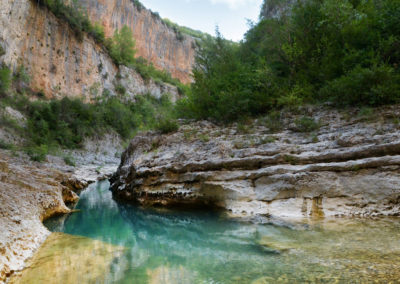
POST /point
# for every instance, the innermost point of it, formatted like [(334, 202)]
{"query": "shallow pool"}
[(119, 243)]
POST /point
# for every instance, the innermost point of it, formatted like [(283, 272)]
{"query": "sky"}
[(231, 16)]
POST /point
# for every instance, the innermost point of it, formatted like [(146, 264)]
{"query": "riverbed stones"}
[(350, 166)]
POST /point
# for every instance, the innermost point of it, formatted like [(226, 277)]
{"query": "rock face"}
[(350, 166), (58, 63), (29, 194), (155, 41)]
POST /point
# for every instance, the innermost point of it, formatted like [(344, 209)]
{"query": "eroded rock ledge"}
[(349, 166), (29, 194)]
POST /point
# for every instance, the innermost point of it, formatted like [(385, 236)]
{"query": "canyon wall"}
[(155, 41), (59, 64)]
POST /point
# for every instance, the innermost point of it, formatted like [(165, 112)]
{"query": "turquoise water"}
[(164, 246)]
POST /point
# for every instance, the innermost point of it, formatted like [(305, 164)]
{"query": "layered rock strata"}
[(349, 166)]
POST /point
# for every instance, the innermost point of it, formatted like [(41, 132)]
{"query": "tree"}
[(123, 46)]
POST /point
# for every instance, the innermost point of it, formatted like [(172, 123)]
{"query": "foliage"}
[(122, 49), (372, 86), (21, 75), (223, 84), (37, 153), (306, 124), (69, 161), (66, 123), (76, 18), (167, 125), (2, 51), (138, 4), (5, 79), (273, 121), (148, 71), (342, 51), (5, 145), (181, 30)]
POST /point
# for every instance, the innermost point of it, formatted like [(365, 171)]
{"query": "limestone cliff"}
[(155, 41), (58, 62), (349, 166)]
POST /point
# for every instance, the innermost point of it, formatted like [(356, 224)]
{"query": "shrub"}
[(166, 126), (273, 121), (204, 138), (69, 161), (5, 145), (97, 32), (2, 51), (66, 123), (306, 124), (37, 153), (365, 86), (122, 49), (21, 75), (120, 89), (5, 79), (365, 112), (243, 128)]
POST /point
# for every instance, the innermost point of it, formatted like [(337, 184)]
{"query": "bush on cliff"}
[(66, 123), (5, 79), (122, 48)]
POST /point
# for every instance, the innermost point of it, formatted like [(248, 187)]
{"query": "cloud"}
[(234, 4)]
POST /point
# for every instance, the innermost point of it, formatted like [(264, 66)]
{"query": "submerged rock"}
[(70, 259), (349, 166), (170, 275)]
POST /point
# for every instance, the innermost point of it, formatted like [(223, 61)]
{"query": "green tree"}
[(123, 46)]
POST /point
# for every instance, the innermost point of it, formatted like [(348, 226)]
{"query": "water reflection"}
[(163, 246)]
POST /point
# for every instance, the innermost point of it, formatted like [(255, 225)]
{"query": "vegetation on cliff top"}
[(343, 52)]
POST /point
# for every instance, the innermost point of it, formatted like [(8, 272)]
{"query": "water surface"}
[(164, 246)]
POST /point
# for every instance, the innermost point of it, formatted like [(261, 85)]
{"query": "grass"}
[(273, 121), (366, 113), (189, 134), (290, 159), (267, 140), (204, 138), (243, 128)]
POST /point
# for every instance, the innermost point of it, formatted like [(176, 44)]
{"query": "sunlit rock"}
[(284, 174)]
